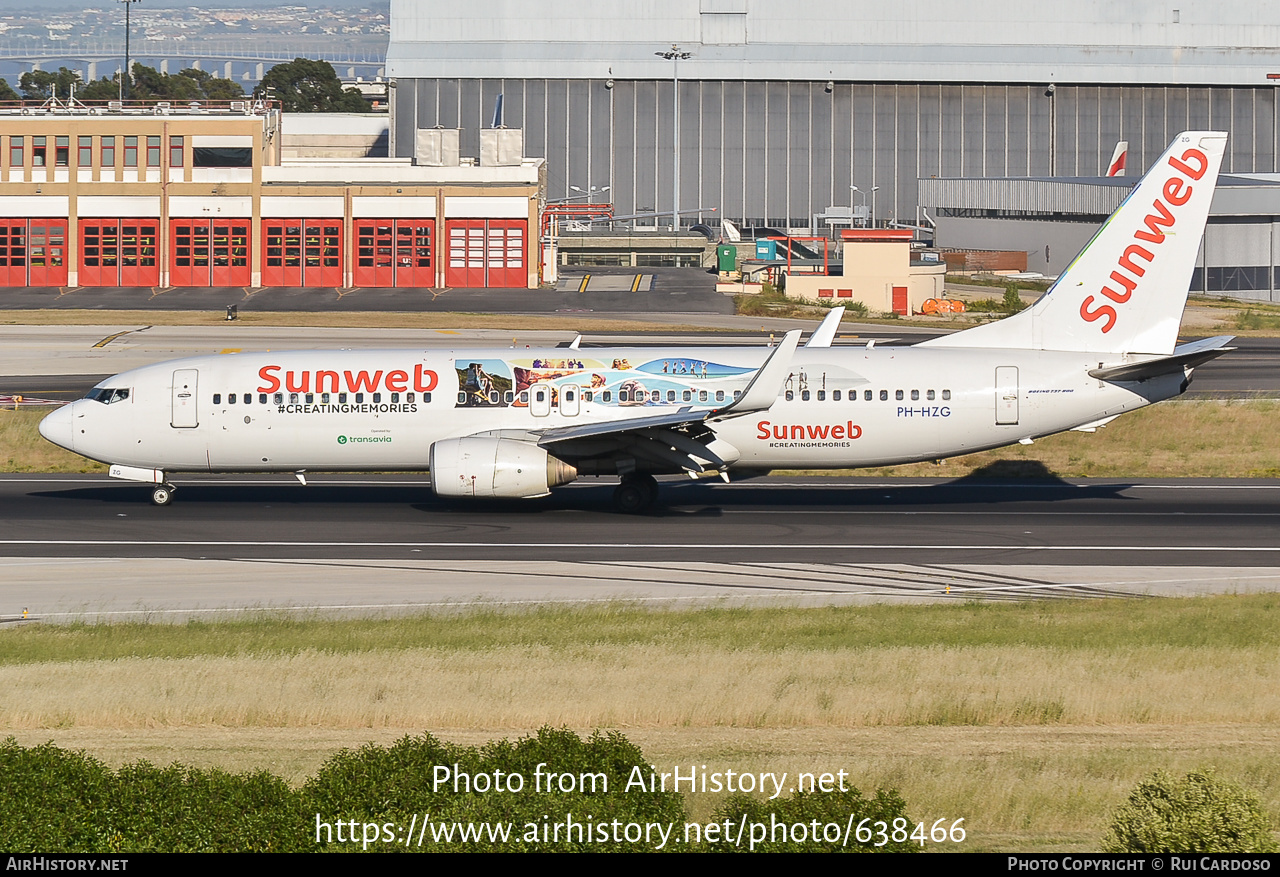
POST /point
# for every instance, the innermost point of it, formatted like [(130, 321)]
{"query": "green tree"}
[(42, 85), (1196, 814), (304, 86), (149, 84), (7, 92)]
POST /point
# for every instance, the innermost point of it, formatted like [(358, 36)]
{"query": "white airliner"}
[(518, 422)]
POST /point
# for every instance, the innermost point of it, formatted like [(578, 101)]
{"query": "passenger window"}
[(462, 397), (866, 395), (719, 395), (804, 395), (606, 396), (946, 394), (655, 396), (568, 395), (791, 395), (915, 395), (587, 396), (408, 397), (884, 395), (359, 398), (929, 395), (426, 397), (293, 398), (494, 397), (509, 396), (671, 395), (822, 395), (897, 394), (262, 398), (217, 398), (624, 396), (737, 393), (311, 398), (395, 398), (524, 397), (835, 396), (324, 398), (277, 399), (342, 398), (377, 397), (687, 396), (231, 398)]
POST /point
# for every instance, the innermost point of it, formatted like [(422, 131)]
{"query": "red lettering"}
[(817, 432), (779, 432), (320, 376), (762, 430), (361, 380), (270, 383), (1156, 234), (397, 381), (1201, 160), (837, 432), (797, 432), (1128, 284), (1092, 316), (1126, 261), (302, 388), (854, 431), (1176, 192), (419, 384)]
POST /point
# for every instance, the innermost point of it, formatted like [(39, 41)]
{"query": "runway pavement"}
[(85, 547)]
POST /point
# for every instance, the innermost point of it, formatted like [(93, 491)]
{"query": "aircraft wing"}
[(681, 438), (1187, 355)]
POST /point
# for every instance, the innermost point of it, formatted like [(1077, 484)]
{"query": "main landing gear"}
[(162, 495), (636, 494)]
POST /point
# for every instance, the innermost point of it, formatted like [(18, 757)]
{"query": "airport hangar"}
[(786, 105)]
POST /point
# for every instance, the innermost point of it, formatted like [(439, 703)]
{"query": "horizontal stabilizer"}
[(1187, 355)]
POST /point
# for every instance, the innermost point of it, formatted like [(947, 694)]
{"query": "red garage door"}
[(302, 252), (487, 252), (394, 252), (209, 252), (33, 252), (119, 252)]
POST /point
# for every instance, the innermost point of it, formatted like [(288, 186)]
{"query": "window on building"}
[(62, 151), (175, 152), (131, 152), (153, 151), (37, 152), (84, 152), (108, 152), (15, 152), (222, 156)]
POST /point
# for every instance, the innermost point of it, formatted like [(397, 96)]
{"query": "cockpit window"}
[(107, 395)]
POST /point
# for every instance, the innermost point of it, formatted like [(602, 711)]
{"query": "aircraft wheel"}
[(162, 495), (636, 494)]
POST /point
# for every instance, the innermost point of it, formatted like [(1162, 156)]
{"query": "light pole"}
[(863, 194), (675, 55), (588, 193), (126, 76)]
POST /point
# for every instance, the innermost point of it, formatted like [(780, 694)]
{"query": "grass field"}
[(1032, 720), (1173, 439)]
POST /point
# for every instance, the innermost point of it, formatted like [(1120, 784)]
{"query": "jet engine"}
[(489, 466)]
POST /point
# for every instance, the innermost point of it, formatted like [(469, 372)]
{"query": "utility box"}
[(766, 249), (436, 147), (501, 147), (727, 257)]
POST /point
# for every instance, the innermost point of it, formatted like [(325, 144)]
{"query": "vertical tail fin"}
[(1126, 290), (1115, 167)]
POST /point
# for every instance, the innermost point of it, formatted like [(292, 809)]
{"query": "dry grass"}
[(1184, 439), (348, 319), (1030, 721)]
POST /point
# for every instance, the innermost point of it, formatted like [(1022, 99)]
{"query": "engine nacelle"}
[(486, 466)]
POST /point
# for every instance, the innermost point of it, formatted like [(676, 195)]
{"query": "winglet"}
[(766, 386), (826, 332)]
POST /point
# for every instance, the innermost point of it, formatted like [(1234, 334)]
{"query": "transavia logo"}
[(364, 439)]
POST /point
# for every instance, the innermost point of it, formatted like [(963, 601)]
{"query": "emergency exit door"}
[(1006, 395), (184, 398)]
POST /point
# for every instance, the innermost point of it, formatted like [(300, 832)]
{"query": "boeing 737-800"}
[(517, 423)]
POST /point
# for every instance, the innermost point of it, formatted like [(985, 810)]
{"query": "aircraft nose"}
[(59, 428)]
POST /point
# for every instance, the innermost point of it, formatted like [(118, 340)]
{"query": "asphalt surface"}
[(672, 291), (86, 546)]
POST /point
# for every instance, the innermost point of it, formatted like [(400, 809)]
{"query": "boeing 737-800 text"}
[(517, 423)]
